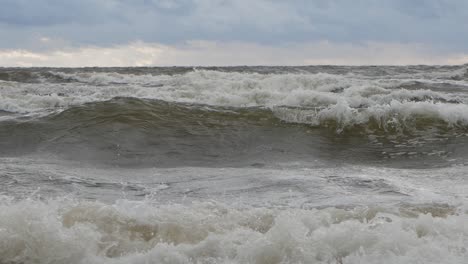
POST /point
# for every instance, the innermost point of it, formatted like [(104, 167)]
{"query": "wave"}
[(130, 131), (32, 76), (224, 89), (116, 73), (72, 231), (392, 117)]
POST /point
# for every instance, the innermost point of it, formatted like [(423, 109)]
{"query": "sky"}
[(77, 33)]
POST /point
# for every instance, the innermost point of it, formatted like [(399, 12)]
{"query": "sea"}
[(261, 165)]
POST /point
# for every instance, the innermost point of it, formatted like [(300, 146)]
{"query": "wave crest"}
[(395, 116)]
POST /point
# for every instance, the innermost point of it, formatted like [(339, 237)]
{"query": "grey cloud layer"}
[(442, 23)]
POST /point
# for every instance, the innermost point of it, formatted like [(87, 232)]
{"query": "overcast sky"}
[(232, 32)]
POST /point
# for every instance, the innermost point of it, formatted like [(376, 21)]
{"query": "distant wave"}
[(234, 89)]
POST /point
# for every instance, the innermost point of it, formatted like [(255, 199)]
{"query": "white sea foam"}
[(438, 73), (394, 115), (67, 231), (426, 223)]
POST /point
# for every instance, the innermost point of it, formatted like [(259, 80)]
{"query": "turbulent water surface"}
[(313, 164)]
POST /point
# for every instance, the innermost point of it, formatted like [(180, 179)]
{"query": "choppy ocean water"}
[(319, 164)]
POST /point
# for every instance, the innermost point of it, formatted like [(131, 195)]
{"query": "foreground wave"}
[(69, 231)]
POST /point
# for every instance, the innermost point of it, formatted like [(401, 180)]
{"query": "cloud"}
[(209, 53), (443, 24), (135, 54), (43, 13)]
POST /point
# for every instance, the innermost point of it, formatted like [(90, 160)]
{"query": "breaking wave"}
[(70, 231)]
